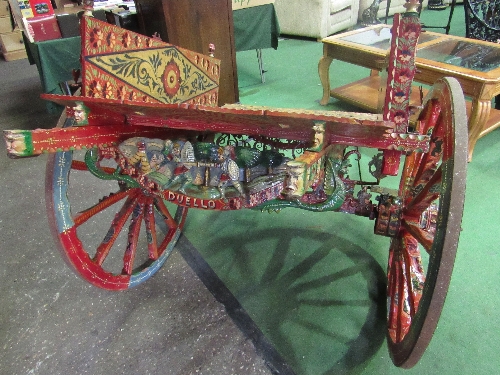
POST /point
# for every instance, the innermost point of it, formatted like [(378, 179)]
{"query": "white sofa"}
[(397, 6), (316, 18)]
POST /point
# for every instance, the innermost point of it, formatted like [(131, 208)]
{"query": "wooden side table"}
[(475, 64)]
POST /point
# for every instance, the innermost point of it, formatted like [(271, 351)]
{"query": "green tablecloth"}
[(55, 60), (254, 28)]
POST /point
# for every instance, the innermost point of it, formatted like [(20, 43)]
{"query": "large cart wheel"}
[(432, 189), (114, 235)]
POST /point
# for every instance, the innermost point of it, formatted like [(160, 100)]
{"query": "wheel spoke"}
[(415, 276), (392, 277), (169, 220), (405, 285), (133, 237), (430, 117), (115, 229), (423, 237), (149, 220), (108, 201), (419, 166), (426, 166), (426, 193), (404, 319)]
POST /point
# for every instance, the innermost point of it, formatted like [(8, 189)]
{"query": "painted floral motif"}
[(126, 40), (96, 38), (171, 79), (111, 40), (138, 41), (107, 90), (164, 75), (121, 64), (95, 89), (121, 93), (401, 71)]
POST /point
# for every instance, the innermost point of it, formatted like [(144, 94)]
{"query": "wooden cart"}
[(146, 129)]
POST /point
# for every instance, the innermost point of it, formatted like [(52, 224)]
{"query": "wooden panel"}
[(194, 24), (151, 19)]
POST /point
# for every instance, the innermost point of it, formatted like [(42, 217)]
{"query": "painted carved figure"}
[(230, 170)]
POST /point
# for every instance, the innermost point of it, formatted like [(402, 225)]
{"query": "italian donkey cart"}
[(146, 123)]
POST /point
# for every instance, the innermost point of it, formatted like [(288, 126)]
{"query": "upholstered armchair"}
[(316, 18)]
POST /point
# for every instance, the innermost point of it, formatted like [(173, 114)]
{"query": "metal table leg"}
[(261, 65)]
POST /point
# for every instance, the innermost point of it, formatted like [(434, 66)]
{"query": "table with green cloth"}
[(254, 28), (55, 60)]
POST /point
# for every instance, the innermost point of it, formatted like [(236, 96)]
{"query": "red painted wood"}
[(346, 128)]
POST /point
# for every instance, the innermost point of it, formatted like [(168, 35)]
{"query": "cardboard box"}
[(12, 41), (15, 55), (5, 25), (241, 4), (4, 8)]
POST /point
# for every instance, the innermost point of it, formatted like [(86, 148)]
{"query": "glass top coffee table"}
[(476, 65)]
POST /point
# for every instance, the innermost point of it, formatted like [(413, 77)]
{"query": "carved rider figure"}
[(183, 155), (230, 170)]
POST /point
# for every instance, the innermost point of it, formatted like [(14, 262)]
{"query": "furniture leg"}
[(480, 112), (388, 5), (261, 65), (452, 9), (324, 75)]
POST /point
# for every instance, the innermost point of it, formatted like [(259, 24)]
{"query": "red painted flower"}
[(138, 41), (111, 40), (126, 40), (95, 89), (121, 93), (171, 78), (107, 90), (95, 37)]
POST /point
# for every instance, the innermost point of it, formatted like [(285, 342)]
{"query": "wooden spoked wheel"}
[(113, 234), (422, 255)]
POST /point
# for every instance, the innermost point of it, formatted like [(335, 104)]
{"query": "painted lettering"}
[(190, 201)]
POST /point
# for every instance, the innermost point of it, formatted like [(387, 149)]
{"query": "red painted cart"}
[(146, 126)]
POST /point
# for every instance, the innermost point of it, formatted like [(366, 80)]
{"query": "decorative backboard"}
[(121, 64)]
